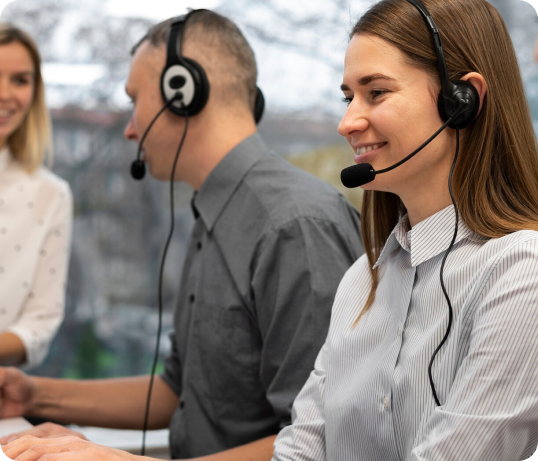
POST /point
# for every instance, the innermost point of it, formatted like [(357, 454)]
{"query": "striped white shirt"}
[(369, 399)]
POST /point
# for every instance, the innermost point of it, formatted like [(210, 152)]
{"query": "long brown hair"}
[(496, 177), (32, 140)]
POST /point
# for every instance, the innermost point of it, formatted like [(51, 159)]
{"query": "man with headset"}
[(269, 247)]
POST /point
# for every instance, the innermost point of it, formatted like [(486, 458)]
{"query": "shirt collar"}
[(221, 183), (5, 158), (193, 206), (426, 239)]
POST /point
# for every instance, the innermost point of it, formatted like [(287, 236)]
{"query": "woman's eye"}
[(21, 81), (377, 93), (347, 100)]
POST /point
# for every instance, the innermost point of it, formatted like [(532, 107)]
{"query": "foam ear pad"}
[(187, 82), (259, 105), (448, 104)]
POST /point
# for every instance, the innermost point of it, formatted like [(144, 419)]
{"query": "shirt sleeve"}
[(43, 310), (491, 410), (172, 367), (296, 274)]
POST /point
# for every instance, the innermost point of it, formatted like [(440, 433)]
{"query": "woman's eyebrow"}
[(363, 81), (25, 73)]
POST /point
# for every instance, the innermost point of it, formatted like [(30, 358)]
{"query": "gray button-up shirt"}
[(267, 252), (369, 398)]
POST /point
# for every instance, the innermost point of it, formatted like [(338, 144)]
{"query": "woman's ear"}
[(476, 79)]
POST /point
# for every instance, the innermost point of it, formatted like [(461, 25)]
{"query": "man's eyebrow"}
[(369, 79)]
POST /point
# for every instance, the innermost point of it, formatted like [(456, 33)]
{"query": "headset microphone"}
[(138, 167), (363, 173)]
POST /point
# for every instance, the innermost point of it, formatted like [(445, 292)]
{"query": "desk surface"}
[(11, 425)]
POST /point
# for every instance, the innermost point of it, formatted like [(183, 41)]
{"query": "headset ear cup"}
[(259, 106), (201, 84), (195, 89), (441, 107), (448, 105)]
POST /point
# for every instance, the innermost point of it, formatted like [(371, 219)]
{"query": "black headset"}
[(453, 93), (184, 80), (184, 86)]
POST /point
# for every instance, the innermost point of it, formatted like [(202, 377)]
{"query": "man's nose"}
[(130, 132)]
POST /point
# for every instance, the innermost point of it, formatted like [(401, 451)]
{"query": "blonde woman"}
[(35, 209)]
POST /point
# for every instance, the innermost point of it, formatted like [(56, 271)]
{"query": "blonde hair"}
[(32, 141), (496, 177)]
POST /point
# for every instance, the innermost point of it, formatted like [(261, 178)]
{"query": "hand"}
[(43, 431), (16, 392), (70, 448)]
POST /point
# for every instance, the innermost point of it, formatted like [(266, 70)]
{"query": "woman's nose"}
[(5, 90), (355, 119)]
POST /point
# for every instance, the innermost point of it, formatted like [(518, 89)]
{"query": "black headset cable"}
[(161, 271), (166, 106), (441, 274)]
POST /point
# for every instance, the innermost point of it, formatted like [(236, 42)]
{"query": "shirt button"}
[(191, 298), (385, 402), (182, 404), (199, 245), (400, 330)]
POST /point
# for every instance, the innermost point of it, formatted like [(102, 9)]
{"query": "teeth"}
[(363, 150), (4, 113)]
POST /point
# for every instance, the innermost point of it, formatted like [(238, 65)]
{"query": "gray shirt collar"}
[(222, 182)]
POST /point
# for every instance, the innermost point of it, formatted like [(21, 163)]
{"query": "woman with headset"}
[(35, 209), (432, 352)]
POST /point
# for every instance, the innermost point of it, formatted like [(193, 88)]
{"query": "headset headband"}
[(175, 38), (446, 84)]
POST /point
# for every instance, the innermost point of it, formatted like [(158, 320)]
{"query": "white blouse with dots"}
[(35, 234)]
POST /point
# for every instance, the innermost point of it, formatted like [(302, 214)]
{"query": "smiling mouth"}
[(5, 113), (364, 150)]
